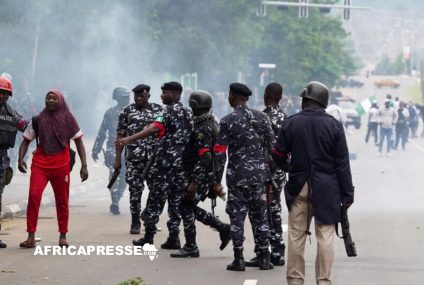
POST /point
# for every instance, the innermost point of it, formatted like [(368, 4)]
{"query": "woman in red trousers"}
[(55, 128)]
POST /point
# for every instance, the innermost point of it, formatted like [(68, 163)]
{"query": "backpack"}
[(72, 153)]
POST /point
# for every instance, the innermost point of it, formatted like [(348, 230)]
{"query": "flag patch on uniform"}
[(159, 119)]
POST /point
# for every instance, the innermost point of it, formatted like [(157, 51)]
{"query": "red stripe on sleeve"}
[(203, 150), (161, 128), (278, 153), (219, 148)]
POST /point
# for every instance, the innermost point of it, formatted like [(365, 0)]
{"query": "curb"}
[(20, 208)]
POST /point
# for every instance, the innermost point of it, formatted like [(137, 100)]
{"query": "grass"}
[(134, 281)]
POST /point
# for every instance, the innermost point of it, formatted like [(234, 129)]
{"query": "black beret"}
[(172, 86), (141, 88), (240, 89)]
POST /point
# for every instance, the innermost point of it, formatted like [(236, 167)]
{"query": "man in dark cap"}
[(173, 126), (108, 129), (134, 118), (312, 147), (246, 132)]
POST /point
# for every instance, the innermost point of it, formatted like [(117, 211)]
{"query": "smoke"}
[(85, 50)]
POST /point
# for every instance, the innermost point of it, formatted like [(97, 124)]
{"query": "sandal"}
[(27, 244), (63, 243)]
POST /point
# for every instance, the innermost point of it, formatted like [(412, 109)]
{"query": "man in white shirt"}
[(372, 123), (387, 118)]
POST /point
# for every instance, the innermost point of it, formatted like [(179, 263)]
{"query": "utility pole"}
[(304, 6)]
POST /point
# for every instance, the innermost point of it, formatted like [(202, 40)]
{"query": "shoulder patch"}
[(159, 119), (200, 136)]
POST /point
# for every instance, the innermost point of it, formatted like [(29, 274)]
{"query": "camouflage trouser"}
[(135, 182), (191, 212), (243, 200), (168, 184), (276, 230)]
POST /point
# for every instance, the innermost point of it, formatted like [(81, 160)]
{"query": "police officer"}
[(246, 132), (198, 162), (320, 181), (10, 123), (133, 119), (108, 128), (272, 97), (174, 127)]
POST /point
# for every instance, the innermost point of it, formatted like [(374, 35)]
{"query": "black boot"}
[(254, 262), (190, 248), (2, 244), (277, 256), (148, 238), (173, 242), (264, 262), (238, 262), (135, 224), (224, 232)]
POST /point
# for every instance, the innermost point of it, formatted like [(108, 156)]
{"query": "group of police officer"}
[(181, 154)]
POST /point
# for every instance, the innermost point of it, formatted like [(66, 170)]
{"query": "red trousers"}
[(60, 180)]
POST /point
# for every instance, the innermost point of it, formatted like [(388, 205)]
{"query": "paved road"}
[(387, 223)]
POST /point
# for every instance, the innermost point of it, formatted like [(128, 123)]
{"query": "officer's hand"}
[(191, 190), (83, 173), (269, 192), (219, 191), (95, 156), (22, 166), (116, 164), (122, 142)]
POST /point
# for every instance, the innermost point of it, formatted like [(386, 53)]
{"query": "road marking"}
[(250, 282)]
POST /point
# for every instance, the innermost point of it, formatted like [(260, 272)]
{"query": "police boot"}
[(254, 262), (2, 244), (173, 242), (135, 224), (224, 232), (238, 262), (148, 238), (190, 248), (277, 256), (264, 262)]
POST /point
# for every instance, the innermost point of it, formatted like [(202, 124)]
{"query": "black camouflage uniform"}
[(10, 123), (244, 132), (133, 120), (168, 178), (276, 116), (199, 162), (108, 129)]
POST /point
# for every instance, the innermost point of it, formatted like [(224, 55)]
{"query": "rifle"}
[(113, 178), (349, 244)]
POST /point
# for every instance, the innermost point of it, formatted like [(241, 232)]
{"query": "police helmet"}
[(316, 91), (200, 100), (120, 92)]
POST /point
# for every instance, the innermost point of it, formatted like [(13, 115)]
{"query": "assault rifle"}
[(349, 244)]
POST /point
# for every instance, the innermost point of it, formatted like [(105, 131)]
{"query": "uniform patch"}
[(200, 136), (159, 119)]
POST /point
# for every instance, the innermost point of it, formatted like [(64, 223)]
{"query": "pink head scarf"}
[(56, 128)]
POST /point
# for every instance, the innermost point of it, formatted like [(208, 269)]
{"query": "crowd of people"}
[(393, 124), (181, 152)]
